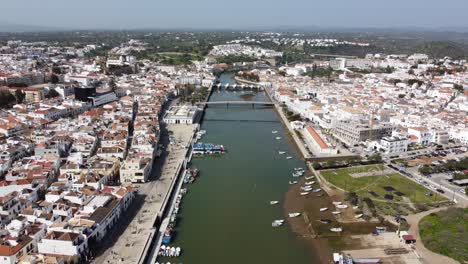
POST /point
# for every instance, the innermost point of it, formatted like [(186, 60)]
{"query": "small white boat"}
[(309, 177), (319, 195), (278, 138), (304, 193), (298, 169), (336, 212), (342, 206), (316, 190), (358, 216), (274, 131), (291, 215), (296, 174), (355, 207), (288, 157), (276, 224), (281, 152), (309, 183), (292, 182), (323, 209), (337, 203), (273, 202), (336, 229), (305, 189)]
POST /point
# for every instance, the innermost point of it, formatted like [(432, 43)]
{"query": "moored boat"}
[(274, 131), (309, 183), (358, 216), (288, 157), (273, 202), (292, 215), (292, 182), (336, 229), (281, 152), (342, 206), (278, 138), (336, 212), (304, 193), (323, 209)]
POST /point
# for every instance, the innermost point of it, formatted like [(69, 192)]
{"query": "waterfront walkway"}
[(136, 241)]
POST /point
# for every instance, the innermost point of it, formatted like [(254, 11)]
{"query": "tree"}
[(19, 95), (6, 98), (52, 93), (112, 84), (401, 96), (54, 79), (56, 70)]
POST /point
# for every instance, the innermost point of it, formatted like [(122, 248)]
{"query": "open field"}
[(446, 233), (388, 187)]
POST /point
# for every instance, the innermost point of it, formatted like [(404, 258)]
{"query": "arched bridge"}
[(237, 86)]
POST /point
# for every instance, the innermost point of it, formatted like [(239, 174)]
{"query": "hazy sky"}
[(119, 14)]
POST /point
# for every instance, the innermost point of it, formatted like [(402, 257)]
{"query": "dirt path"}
[(427, 256)]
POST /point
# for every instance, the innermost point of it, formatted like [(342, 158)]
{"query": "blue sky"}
[(235, 14)]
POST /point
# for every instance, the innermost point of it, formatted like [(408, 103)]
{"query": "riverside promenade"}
[(299, 143), (139, 237)]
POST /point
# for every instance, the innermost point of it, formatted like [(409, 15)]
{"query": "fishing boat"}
[(336, 203), (304, 193), (276, 224), (309, 177), (274, 131), (273, 202), (288, 157), (355, 207), (309, 183), (325, 221), (308, 188), (323, 209), (292, 215), (296, 174), (336, 212), (281, 152), (316, 190), (278, 138), (319, 195), (342, 206), (359, 216), (292, 182), (299, 169), (336, 229), (279, 220)]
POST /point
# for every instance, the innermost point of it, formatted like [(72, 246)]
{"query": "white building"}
[(394, 144), (181, 115), (135, 170)]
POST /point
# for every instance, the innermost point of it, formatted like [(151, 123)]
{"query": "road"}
[(130, 242)]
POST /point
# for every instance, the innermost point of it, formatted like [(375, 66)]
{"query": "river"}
[(226, 215)]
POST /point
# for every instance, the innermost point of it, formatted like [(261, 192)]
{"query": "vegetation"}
[(6, 99), (451, 165), (112, 84), (52, 93), (363, 185), (320, 72), (19, 95), (446, 232), (235, 58), (192, 94)]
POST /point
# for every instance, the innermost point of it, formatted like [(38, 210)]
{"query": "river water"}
[(226, 215)]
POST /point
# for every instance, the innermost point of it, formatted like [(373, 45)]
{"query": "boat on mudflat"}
[(336, 229), (304, 193), (323, 209), (292, 215), (292, 182)]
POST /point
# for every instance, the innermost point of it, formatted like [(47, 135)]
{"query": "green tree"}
[(54, 79), (112, 84), (6, 98), (19, 95), (52, 93)]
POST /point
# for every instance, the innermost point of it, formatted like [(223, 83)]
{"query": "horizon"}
[(241, 15)]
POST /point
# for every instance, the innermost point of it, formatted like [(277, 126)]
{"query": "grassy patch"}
[(446, 232), (373, 186)]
